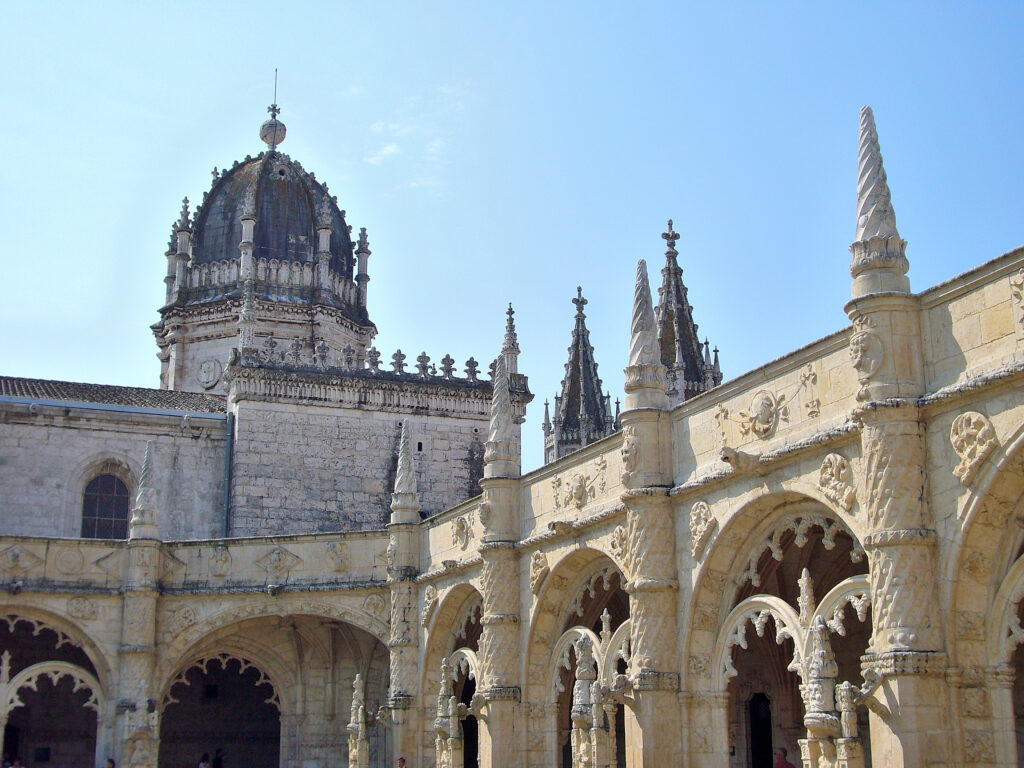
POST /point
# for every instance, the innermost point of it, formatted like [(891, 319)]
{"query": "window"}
[(105, 509)]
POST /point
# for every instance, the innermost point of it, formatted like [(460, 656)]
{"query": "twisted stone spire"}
[(879, 253), (143, 520), (405, 501), (405, 478), (500, 429), (643, 344), (875, 215)]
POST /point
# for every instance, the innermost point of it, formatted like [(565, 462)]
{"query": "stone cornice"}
[(369, 390)]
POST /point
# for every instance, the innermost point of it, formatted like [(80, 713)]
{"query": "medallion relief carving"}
[(82, 608), (68, 561), (18, 561), (835, 480), (462, 531), (376, 606), (702, 526), (278, 562), (220, 562), (337, 556), (765, 412), (973, 440)]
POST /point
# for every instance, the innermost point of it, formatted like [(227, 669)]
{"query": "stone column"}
[(403, 566), (140, 740), (500, 646), (650, 549), (885, 351)]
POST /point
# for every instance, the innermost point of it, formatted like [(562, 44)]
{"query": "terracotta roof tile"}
[(106, 394)]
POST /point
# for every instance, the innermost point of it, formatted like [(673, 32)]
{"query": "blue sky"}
[(505, 154)]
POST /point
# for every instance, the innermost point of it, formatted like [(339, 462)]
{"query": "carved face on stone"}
[(630, 453), (865, 352)]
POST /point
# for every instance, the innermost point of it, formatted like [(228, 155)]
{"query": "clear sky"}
[(505, 153)]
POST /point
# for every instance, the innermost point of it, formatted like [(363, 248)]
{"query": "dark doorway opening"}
[(759, 709), (470, 729)]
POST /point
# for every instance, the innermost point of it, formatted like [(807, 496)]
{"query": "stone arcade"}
[(295, 555)]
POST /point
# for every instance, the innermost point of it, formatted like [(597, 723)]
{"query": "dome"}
[(288, 203)]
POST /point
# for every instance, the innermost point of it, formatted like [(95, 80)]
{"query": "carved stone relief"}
[(702, 525), (866, 352), (1017, 294), (429, 603), (764, 414), (376, 606), (462, 531), (618, 542), (17, 561), (220, 561), (539, 570), (182, 619), (337, 556), (809, 381), (630, 453), (278, 562), (973, 440), (836, 481), (68, 561), (82, 608), (209, 373)]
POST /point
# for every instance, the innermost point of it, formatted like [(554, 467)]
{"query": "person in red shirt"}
[(781, 753)]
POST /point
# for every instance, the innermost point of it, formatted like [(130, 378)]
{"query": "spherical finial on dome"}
[(273, 131)]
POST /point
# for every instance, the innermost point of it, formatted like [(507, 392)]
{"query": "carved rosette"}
[(973, 439), (499, 640)]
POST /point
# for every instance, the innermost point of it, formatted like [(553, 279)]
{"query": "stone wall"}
[(49, 453), (304, 469)]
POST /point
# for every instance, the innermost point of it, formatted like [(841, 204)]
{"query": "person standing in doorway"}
[(781, 758), (204, 761)]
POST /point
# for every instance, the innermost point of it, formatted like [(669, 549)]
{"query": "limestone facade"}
[(823, 554)]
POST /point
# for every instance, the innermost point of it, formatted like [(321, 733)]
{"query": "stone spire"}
[(405, 501), (582, 413), (501, 451), (510, 347), (690, 370), (646, 379), (143, 521), (879, 253)]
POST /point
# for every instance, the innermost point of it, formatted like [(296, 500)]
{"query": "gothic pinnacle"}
[(875, 214), (184, 221), (511, 338), (670, 237)]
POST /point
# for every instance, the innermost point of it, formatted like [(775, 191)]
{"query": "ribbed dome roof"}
[(287, 203)]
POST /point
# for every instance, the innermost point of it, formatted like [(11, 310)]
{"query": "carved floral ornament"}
[(973, 439), (702, 526), (429, 603), (376, 606), (835, 480), (278, 562), (82, 608), (763, 416), (619, 542), (539, 569)]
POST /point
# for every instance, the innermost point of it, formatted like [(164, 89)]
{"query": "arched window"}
[(105, 508)]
